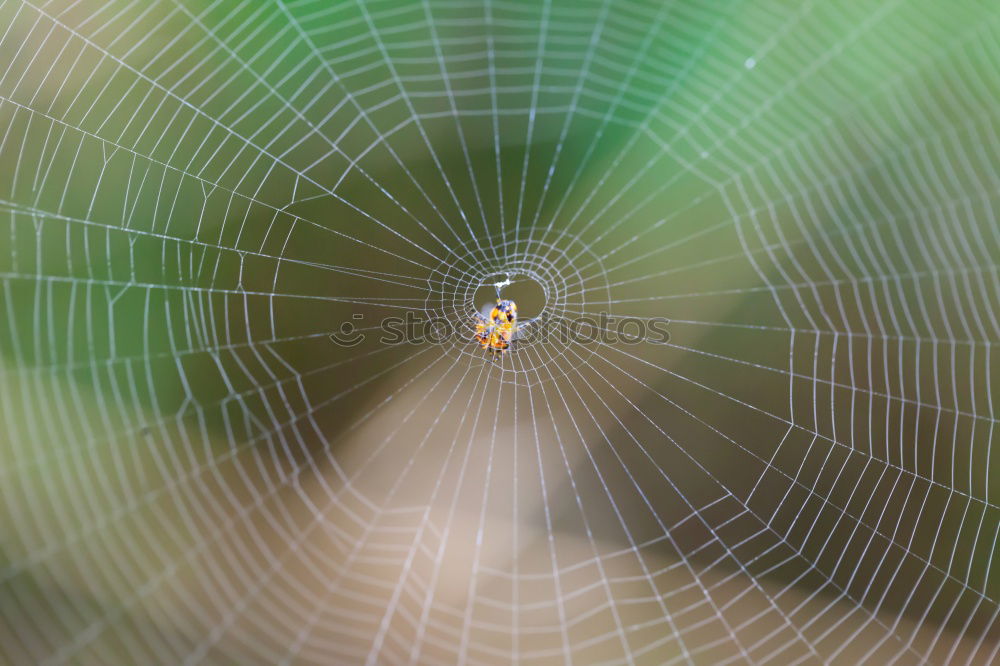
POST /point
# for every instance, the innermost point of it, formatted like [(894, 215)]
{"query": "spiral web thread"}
[(197, 194)]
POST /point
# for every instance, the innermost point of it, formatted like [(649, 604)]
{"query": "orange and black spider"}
[(495, 332)]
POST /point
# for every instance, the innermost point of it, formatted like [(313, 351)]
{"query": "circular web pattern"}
[(553, 341), (223, 221)]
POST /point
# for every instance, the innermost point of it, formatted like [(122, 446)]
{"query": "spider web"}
[(197, 195)]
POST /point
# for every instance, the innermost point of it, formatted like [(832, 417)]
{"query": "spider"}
[(495, 333)]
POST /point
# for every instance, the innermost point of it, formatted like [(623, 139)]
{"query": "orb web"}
[(217, 448)]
